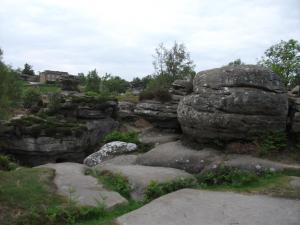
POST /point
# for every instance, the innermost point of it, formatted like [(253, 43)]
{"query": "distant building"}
[(53, 76)]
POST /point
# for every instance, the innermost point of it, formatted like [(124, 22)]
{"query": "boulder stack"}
[(233, 103)]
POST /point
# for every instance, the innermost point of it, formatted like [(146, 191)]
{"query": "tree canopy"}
[(284, 59)]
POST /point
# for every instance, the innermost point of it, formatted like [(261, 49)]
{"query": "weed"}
[(272, 142)]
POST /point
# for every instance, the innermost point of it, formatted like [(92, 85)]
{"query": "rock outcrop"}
[(108, 151), (69, 134), (161, 115), (233, 103)]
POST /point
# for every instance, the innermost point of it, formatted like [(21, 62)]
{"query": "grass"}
[(112, 181), (23, 189), (128, 97), (27, 197), (109, 216)]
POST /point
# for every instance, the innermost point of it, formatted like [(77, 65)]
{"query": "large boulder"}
[(108, 150), (233, 103)]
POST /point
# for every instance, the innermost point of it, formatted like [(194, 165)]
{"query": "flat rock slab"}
[(139, 177), (176, 155), (197, 207), (85, 190)]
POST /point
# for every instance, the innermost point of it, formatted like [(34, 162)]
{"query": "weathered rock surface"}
[(197, 207), (121, 160), (126, 110), (108, 150), (180, 88), (139, 177), (294, 115), (155, 136), (233, 103), (85, 190), (162, 115), (176, 155)]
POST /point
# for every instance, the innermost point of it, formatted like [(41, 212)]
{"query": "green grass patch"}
[(112, 181), (108, 216)]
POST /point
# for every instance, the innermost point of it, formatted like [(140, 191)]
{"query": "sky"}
[(120, 36)]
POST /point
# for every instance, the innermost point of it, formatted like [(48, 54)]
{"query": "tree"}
[(10, 89), (284, 59), (82, 78), (236, 62), (93, 81), (114, 84), (28, 69), (174, 62)]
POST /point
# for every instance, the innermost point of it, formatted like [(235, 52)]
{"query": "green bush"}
[(131, 137), (155, 189), (31, 97), (227, 176), (6, 163), (272, 142)]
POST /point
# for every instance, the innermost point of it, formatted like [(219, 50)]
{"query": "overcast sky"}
[(119, 36)]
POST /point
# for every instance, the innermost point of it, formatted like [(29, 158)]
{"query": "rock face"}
[(71, 181), (77, 126), (108, 150), (294, 116), (139, 177), (233, 103), (200, 207), (162, 115), (180, 88), (126, 110)]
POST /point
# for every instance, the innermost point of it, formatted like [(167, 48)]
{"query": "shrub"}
[(6, 163), (32, 97), (227, 176), (131, 137), (155, 190), (161, 95), (272, 142)]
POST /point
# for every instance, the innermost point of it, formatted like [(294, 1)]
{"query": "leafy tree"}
[(236, 62), (93, 81), (114, 84), (28, 69), (82, 78), (284, 59), (10, 89), (174, 62)]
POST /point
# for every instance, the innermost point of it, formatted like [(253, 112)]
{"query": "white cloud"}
[(119, 36)]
